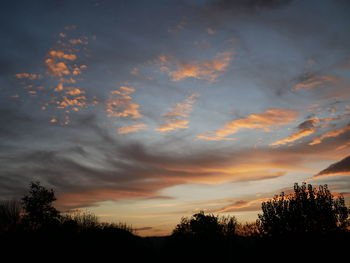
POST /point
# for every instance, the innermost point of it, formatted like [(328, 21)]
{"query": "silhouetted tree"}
[(204, 225), (10, 215), (38, 208), (307, 210)]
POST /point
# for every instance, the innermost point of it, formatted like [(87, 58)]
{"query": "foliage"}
[(10, 215), (38, 208), (204, 225), (86, 221), (248, 229), (307, 210)]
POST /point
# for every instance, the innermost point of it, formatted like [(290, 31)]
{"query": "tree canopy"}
[(201, 224), (307, 210), (38, 207)]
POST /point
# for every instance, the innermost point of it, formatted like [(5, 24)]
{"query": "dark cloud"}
[(338, 167), (308, 124), (247, 6)]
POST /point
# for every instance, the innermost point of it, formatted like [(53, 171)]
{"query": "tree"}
[(206, 225), (38, 208), (10, 215), (307, 210)]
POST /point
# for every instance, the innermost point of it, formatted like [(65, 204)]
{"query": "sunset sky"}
[(147, 111)]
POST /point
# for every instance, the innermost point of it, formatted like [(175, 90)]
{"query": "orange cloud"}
[(66, 102), (56, 69), (345, 145), (209, 70), (307, 128), (261, 121), (121, 105), (74, 91), (241, 205), (334, 133), (211, 31), (294, 137), (131, 128), (176, 117), (214, 138), (28, 76), (77, 41), (312, 81), (173, 125), (62, 55), (182, 110)]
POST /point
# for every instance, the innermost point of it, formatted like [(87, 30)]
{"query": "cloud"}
[(57, 69), (120, 104), (28, 76), (62, 92), (75, 102), (173, 125), (62, 55), (244, 7), (211, 31), (265, 121), (338, 167), (294, 137), (74, 91), (110, 168), (241, 205), (78, 41), (308, 128), (311, 81), (176, 117), (305, 129), (213, 137), (334, 133), (343, 146), (207, 70), (182, 110), (131, 128)]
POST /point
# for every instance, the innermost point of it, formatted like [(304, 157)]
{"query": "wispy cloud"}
[(208, 70), (131, 128), (176, 117), (308, 128), (311, 81), (28, 76), (264, 121), (120, 104), (212, 137), (173, 125), (333, 133), (294, 137)]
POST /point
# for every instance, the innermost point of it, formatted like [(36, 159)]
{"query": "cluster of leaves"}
[(307, 210)]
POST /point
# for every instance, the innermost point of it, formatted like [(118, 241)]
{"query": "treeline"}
[(309, 223)]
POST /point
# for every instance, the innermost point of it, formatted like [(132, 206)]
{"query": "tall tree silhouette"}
[(39, 211), (307, 210)]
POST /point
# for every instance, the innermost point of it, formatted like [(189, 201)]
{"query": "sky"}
[(148, 111)]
